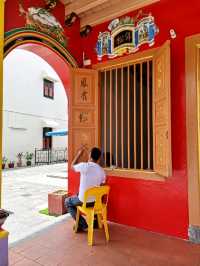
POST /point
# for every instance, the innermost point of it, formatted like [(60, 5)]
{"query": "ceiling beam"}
[(116, 9), (66, 2), (80, 7)]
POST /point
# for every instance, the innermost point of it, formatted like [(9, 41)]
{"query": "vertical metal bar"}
[(134, 115), (35, 156), (148, 116), (116, 118), (105, 98), (122, 115), (111, 129), (128, 105), (141, 114)]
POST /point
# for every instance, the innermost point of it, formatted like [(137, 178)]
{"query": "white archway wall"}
[(25, 108)]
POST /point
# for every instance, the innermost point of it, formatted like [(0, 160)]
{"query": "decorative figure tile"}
[(126, 35), (41, 20)]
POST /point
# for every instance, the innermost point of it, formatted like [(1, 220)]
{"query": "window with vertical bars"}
[(126, 116)]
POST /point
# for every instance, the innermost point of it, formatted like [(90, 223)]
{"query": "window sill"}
[(135, 174)]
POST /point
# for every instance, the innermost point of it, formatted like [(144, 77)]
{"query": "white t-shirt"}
[(91, 175)]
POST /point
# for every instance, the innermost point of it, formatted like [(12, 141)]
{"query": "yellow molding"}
[(1, 88), (3, 234)]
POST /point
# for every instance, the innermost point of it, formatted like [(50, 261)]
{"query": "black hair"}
[(95, 154)]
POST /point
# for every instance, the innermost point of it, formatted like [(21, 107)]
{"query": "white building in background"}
[(34, 102)]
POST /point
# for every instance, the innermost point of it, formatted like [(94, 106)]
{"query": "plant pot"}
[(56, 202), (3, 165), (19, 164), (2, 221), (11, 165), (28, 163)]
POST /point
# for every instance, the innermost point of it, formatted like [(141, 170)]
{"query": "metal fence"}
[(48, 156)]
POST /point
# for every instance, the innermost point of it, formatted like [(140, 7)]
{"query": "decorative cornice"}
[(20, 36)]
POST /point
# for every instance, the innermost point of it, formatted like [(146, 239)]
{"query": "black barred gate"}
[(50, 156)]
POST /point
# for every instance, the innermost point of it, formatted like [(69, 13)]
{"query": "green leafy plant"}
[(29, 156), (4, 160)]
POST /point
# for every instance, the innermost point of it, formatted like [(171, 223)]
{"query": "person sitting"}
[(91, 175)]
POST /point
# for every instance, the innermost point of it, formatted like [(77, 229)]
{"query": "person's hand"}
[(80, 151)]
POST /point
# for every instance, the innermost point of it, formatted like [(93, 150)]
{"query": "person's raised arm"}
[(77, 156)]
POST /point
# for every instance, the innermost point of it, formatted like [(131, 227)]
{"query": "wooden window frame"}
[(192, 70), (52, 89), (127, 61)]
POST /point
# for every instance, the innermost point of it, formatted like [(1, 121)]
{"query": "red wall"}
[(158, 206)]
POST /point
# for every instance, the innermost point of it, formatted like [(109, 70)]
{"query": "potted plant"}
[(11, 164), (29, 157), (4, 161), (3, 216), (19, 157)]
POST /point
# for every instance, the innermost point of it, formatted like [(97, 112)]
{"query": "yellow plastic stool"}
[(99, 208)]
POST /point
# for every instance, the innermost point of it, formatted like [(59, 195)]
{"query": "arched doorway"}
[(48, 49)]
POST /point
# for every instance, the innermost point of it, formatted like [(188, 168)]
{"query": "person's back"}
[(91, 175)]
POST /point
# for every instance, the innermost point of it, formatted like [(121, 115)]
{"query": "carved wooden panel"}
[(83, 117), (84, 93), (162, 111), (83, 137), (161, 142)]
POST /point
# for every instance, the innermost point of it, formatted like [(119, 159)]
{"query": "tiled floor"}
[(25, 192), (60, 246)]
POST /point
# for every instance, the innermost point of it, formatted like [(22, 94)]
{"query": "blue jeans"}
[(71, 203)]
